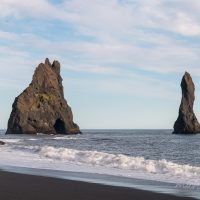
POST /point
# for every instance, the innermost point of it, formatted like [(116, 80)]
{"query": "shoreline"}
[(24, 186), (100, 180)]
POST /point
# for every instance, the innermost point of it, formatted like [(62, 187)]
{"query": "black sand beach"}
[(15, 186)]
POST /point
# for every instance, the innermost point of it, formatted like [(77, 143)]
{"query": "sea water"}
[(153, 155)]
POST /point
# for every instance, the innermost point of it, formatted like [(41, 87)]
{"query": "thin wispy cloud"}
[(129, 32)]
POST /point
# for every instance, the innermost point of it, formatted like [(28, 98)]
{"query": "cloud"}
[(22, 8), (91, 69), (185, 25), (121, 17), (124, 34), (138, 86), (7, 35)]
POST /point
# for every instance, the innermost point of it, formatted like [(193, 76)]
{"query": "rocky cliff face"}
[(41, 108), (187, 122)]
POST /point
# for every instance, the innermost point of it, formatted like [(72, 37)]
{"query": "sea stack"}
[(187, 122), (41, 107)]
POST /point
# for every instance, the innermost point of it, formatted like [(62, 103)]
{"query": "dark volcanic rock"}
[(2, 143), (187, 122), (41, 108)]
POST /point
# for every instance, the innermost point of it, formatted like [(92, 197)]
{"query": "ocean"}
[(136, 157)]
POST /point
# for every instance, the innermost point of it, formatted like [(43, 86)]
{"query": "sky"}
[(121, 60)]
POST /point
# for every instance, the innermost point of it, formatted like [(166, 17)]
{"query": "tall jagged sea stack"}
[(41, 108), (187, 122)]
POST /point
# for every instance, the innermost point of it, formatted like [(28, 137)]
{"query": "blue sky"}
[(122, 60)]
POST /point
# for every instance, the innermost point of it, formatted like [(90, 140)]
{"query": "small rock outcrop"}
[(2, 143), (187, 122), (41, 108)]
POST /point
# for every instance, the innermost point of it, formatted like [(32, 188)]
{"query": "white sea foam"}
[(33, 139), (162, 168), (65, 138), (11, 140)]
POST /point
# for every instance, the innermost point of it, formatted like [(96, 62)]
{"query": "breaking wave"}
[(119, 161)]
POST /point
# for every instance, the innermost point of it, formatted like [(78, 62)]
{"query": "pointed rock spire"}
[(56, 66), (47, 62), (187, 122)]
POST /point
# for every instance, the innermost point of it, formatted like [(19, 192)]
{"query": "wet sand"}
[(14, 186)]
